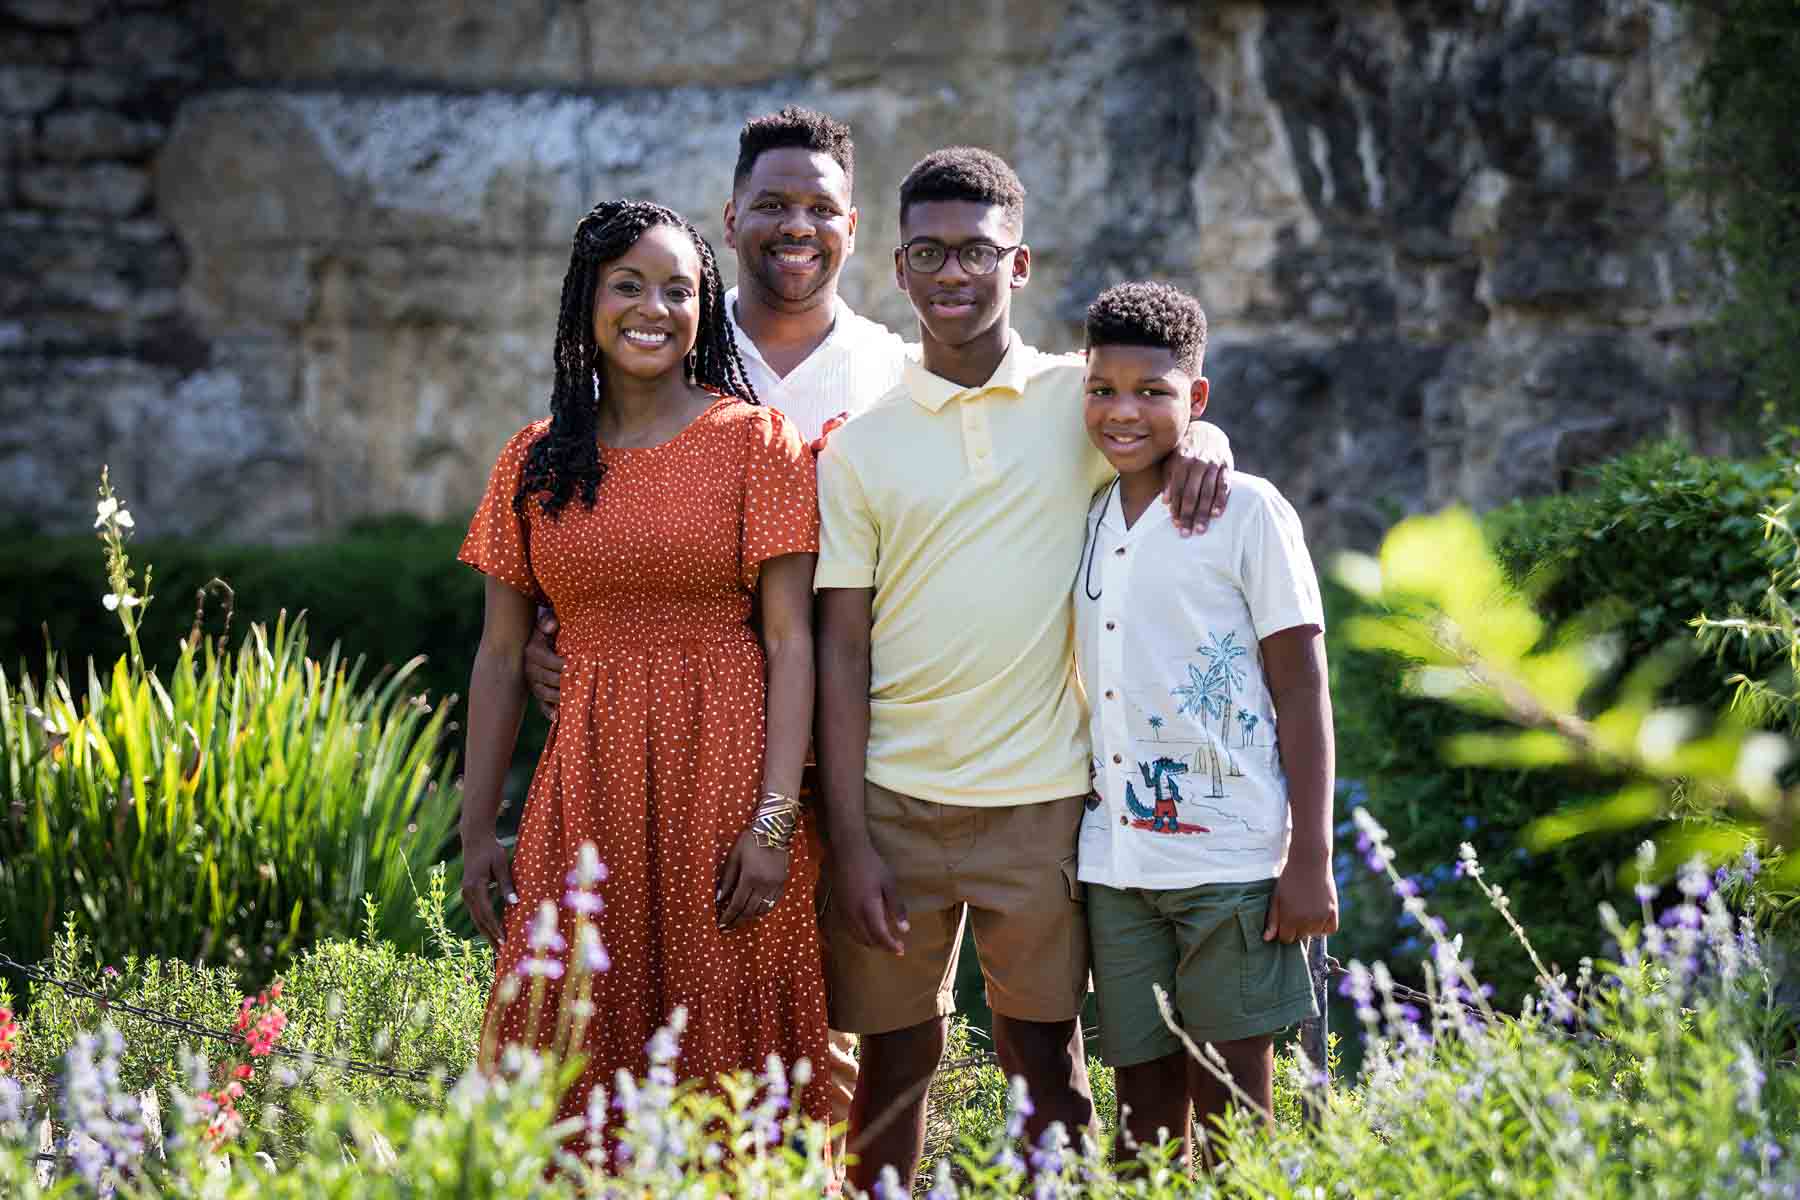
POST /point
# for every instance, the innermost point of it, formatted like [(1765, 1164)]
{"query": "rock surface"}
[(285, 266)]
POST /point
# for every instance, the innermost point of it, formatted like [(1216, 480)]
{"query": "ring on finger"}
[(768, 903)]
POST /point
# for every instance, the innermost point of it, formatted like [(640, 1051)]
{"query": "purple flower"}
[(1406, 886), (105, 1123), (12, 1100), (1018, 1107), (591, 955), (586, 903), (544, 934)]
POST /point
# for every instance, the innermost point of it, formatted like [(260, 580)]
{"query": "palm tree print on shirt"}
[(1208, 694)]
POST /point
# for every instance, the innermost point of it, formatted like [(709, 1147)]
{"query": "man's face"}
[(792, 226), (956, 305)]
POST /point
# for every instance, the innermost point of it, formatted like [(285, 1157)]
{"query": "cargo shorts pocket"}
[(1274, 972), (1071, 873)]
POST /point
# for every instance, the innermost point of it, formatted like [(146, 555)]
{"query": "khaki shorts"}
[(1012, 869), (1204, 946)]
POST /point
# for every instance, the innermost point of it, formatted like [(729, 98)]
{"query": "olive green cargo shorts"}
[(1204, 946)]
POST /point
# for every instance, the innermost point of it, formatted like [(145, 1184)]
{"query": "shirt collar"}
[(932, 392), (841, 319)]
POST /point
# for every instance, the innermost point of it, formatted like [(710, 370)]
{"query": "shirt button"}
[(1120, 551), (1112, 625), (1109, 693), (1117, 759)]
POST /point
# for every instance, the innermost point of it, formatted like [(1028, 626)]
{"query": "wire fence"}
[(309, 1058)]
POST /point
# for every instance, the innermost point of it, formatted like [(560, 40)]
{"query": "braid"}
[(566, 459)]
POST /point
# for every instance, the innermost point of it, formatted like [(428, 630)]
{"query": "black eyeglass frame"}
[(904, 250)]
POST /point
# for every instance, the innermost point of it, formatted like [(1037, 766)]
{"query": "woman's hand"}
[(752, 883), (486, 864)]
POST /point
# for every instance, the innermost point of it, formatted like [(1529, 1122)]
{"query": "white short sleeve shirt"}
[(858, 363), (1188, 787)]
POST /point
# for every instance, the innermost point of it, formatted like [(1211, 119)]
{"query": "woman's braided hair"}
[(567, 457)]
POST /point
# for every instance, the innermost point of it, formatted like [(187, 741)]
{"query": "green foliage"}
[(363, 999), (385, 592), (1652, 539), (1655, 538), (1743, 165), (1772, 634), (241, 809), (1654, 1075)]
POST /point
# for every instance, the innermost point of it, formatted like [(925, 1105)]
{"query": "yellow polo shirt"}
[(964, 509)]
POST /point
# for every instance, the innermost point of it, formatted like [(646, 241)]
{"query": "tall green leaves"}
[(239, 811)]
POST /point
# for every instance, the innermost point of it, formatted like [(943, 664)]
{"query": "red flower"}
[(9, 1038)]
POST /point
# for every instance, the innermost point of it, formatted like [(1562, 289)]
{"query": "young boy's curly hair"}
[(797, 128), (1149, 314), (964, 173)]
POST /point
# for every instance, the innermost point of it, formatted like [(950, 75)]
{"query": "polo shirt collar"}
[(932, 392)]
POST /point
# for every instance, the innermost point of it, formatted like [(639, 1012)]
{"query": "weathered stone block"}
[(81, 135), (68, 13), (109, 88), (155, 43), (461, 43), (885, 33), (35, 47), (107, 189), (27, 89), (243, 168)]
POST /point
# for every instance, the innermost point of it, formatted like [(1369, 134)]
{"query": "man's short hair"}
[(964, 173), (1149, 314), (794, 127)]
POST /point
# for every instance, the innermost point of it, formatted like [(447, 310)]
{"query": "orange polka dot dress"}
[(656, 754)]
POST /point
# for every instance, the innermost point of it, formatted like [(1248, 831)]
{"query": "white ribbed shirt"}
[(858, 363)]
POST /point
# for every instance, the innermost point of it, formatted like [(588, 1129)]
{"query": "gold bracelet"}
[(776, 818)]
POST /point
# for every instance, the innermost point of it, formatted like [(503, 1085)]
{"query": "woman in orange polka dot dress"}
[(657, 511)]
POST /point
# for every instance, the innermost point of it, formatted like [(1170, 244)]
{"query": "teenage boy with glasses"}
[(950, 732)]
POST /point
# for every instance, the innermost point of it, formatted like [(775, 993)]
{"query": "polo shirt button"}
[(1117, 759), (1112, 625), (1120, 551), (1109, 693)]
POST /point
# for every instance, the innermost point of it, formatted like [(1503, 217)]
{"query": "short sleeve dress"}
[(657, 750)]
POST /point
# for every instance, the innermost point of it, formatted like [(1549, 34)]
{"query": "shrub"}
[(385, 592), (241, 809), (1657, 537), (362, 999)]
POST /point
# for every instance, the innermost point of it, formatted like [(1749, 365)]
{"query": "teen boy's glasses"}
[(927, 256)]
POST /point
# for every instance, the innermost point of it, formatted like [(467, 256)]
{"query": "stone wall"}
[(287, 265)]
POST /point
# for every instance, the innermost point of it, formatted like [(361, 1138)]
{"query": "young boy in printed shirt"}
[(1206, 846)]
